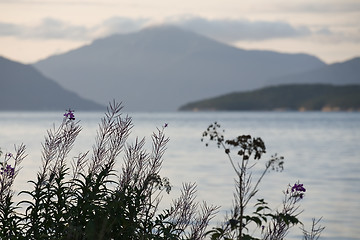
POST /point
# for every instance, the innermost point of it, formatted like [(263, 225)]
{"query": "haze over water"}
[(321, 151)]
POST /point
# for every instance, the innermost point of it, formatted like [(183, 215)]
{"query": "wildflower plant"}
[(315, 231), (272, 225), (96, 197), (10, 166)]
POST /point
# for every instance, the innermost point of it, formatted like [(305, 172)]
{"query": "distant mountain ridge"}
[(160, 68), (342, 73), (298, 97), (23, 88)]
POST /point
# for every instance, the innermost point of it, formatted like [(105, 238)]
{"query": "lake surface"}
[(321, 150)]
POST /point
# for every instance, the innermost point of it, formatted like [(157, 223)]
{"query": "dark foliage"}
[(93, 199)]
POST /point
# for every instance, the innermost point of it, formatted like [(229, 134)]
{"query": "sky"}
[(31, 30)]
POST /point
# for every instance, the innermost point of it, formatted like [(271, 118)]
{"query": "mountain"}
[(312, 97), (160, 68), (347, 72), (25, 88)]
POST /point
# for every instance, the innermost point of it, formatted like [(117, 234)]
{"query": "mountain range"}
[(25, 88), (347, 72), (161, 68), (157, 69)]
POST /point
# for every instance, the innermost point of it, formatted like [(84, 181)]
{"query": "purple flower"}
[(69, 114), (165, 125), (10, 171), (298, 188), (9, 155)]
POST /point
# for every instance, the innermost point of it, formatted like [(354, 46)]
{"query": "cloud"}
[(226, 30), (49, 28), (8, 29), (55, 29), (334, 6), (122, 25), (236, 30)]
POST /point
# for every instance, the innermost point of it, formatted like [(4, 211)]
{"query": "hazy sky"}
[(329, 29)]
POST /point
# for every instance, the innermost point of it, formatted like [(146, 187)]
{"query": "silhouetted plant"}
[(271, 225), (315, 230), (95, 197), (9, 219), (92, 199)]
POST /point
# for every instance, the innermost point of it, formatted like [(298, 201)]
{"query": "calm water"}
[(322, 150)]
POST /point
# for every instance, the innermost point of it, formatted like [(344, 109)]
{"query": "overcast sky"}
[(31, 30)]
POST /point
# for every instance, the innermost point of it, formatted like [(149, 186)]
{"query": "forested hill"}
[(298, 97)]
